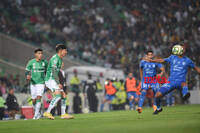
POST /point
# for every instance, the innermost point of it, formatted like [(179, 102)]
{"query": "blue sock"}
[(158, 101), (142, 97), (131, 104), (154, 101), (184, 90), (101, 108)]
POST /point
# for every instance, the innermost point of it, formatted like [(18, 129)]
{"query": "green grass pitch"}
[(177, 119)]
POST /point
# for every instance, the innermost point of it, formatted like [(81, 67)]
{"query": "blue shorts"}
[(132, 93), (109, 97), (146, 86), (168, 87)]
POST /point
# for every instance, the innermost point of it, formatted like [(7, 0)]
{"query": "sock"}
[(142, 97), (101, 108), (34, 106), (154, 101), (63, 106), (37, 107), (184, 90), (158, 103), (131, 104), (53, 102)]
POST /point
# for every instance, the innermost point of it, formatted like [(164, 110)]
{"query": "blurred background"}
[(104, 38)]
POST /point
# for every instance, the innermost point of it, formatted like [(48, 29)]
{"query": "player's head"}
[(11, 91), (150, 54), (61, 50), (38, 53), (130, 75), (89, 76)]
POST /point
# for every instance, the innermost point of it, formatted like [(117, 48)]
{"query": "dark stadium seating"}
[(110, 33)]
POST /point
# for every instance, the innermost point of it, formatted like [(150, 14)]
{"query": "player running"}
[(179, 65), (52, 82), (148, 74), (131, 89), (35, 74), (110, 91)]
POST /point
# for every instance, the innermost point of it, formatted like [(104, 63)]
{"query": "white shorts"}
[(36, 90), (52, 85)]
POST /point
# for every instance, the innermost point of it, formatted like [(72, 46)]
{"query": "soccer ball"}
[(177, 50)]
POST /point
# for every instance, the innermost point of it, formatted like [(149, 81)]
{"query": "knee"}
[(143, 93), (39, 97), (158, 95), (57, 92), (63, 95), (131, 98), (136, 99), (183, 84)]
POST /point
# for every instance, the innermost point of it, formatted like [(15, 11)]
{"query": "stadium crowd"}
[(116, 41)]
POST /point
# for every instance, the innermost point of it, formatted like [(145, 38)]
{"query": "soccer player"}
[(179, 65), (35, 74), (110, 94), (52, 82), (131, 89), (148, 74)]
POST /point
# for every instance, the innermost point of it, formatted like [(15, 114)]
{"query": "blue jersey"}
[(149, 68), (179, 67)]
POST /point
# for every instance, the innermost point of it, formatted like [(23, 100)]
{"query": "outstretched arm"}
[(141, 74), (162, 71), (160, 60), (197, 69)]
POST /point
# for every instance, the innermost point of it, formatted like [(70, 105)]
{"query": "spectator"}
[(75, 83), (11, 102), (2, 102), (89, 91)]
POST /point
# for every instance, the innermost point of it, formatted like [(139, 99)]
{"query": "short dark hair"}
[(89, 75), (60, 47), (37, 50), (149, 51)]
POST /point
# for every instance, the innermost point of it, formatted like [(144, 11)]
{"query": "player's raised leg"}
[(164, 89)]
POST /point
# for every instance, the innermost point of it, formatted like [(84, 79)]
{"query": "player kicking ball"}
[(52, 82), (35, 74), (148, 70), (179, 65)]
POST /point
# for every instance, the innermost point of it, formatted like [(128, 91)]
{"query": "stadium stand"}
[(111, 37)]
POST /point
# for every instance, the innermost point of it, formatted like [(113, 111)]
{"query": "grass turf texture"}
[(178, 119)]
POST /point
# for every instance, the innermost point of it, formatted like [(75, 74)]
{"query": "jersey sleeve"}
[(159, 65), (54, 63), (191, 64), (141, 64), (29, 66), (54, 70), (169, 59)]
